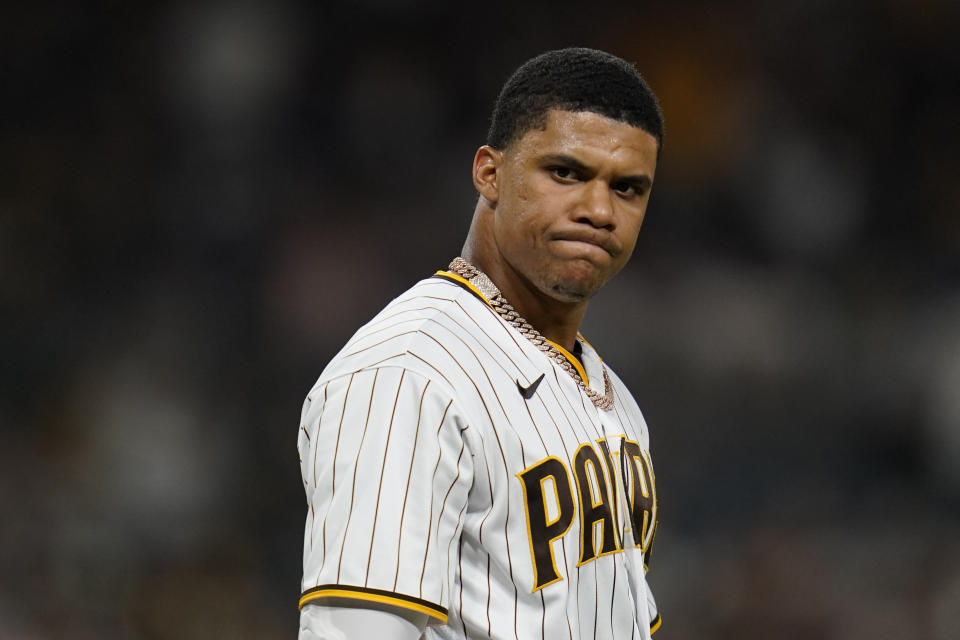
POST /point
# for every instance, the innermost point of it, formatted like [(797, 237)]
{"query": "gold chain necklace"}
[(506, 311)]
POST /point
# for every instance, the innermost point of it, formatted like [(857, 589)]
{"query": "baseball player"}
[(471, 465)]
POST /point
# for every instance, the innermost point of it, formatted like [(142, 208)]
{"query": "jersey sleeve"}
[(386, 472)]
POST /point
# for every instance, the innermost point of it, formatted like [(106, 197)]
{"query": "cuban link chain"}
[(506, 311)]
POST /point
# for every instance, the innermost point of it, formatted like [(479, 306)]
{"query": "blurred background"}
[(201, 201)]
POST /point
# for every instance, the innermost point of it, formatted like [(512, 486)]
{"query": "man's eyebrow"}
[(640, 181), (567, 161)]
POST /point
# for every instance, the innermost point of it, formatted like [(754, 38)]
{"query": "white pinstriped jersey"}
[(435, 485)]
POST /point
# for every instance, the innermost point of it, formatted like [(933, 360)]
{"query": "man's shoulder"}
[(430, 323), (428, 311), (432, 299)]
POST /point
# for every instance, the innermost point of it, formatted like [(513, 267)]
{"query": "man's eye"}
[(625, 189), (563, 173)]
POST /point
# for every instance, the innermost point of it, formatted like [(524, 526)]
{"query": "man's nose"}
[(597, 206)]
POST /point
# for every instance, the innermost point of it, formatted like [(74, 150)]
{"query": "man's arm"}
[(386, 473)]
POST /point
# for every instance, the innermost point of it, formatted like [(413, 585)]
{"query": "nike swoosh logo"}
[(527, 392)]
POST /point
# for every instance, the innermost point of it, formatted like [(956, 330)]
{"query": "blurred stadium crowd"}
[(202, 200)]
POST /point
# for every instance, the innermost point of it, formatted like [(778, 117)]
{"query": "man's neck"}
[(556, 320)]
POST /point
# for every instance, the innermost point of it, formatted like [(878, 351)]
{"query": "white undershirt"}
[(322, 622)]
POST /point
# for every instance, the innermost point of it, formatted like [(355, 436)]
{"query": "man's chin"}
[(572, 292), (578, 282)]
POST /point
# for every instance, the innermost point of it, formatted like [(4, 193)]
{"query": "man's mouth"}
[(589, 241)]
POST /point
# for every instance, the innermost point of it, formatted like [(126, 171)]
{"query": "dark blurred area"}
[(201, 201)]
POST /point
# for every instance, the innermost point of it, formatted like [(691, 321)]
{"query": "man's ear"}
[(486, 173)]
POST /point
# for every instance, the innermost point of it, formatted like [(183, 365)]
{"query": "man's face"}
[(570, 201)]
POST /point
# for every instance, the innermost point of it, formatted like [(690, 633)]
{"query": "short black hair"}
[(574, 79)]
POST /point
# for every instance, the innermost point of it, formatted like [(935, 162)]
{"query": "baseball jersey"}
[(454, 469)]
